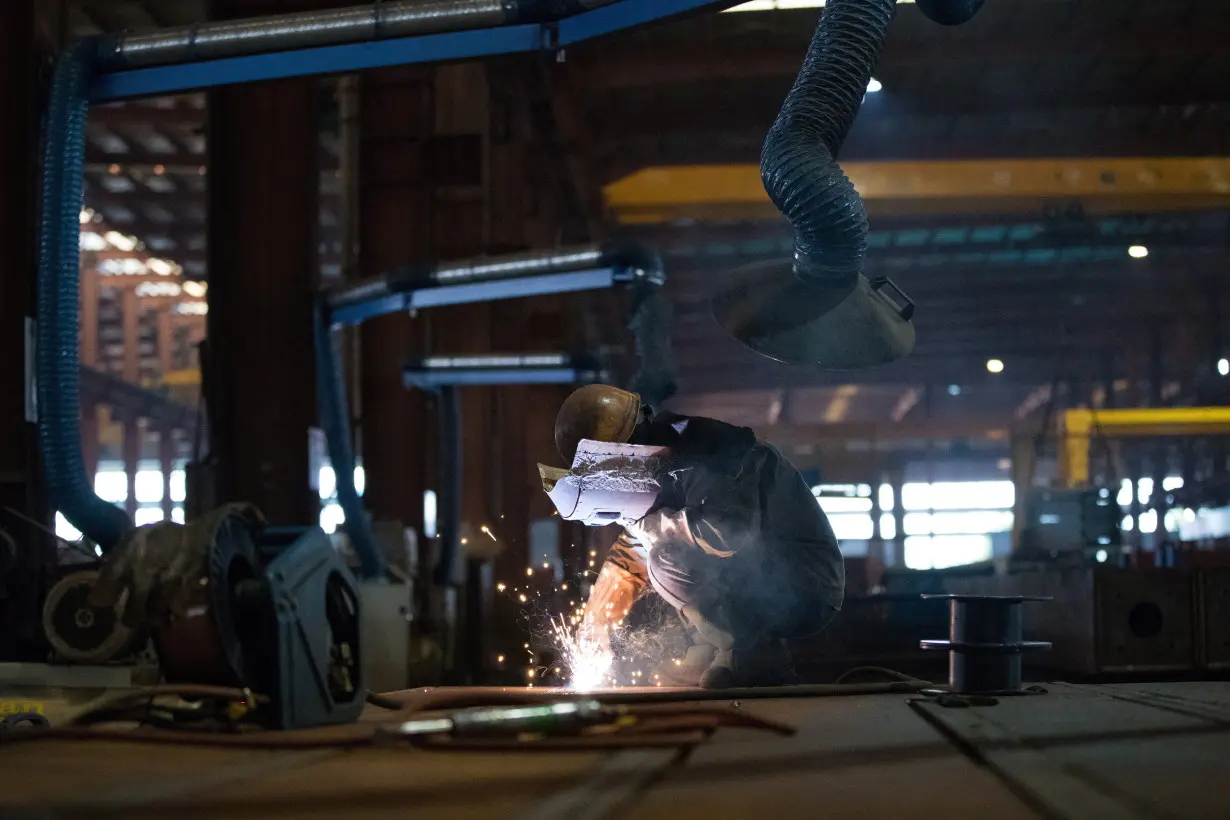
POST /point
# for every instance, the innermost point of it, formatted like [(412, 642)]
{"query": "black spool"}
[(985, 643)]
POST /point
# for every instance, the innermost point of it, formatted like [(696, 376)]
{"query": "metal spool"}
[(985, 642), (79, 632), (203, 645)]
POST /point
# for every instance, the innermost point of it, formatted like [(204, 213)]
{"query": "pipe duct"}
[(492, 268), (374, 21), (818, 308), (56, 356)]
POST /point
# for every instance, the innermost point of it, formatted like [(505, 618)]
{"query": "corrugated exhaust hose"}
[(817, 308)]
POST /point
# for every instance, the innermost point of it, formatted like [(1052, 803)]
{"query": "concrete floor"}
[(1121, 751)]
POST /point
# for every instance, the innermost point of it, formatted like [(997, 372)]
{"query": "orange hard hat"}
[(597, 412)]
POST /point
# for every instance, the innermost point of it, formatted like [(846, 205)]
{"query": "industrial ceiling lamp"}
[(817, 308)]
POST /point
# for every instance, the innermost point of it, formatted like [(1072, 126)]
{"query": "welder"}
[(735, 540)]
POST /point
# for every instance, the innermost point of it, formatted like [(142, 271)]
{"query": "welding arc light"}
[(1138, 251), (995, 366), (874, 85)]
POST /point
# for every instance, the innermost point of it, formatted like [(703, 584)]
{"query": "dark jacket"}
[(744, 501)]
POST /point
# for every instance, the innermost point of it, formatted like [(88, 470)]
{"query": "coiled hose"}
[(334, 411), (799, 162), (56, 356)]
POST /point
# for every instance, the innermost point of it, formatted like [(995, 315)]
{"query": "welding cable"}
[(883, 672), (56, 352), (383, 702)]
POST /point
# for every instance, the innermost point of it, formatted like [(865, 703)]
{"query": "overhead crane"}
[(909, 188)]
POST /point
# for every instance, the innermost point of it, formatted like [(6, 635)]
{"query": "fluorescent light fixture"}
[(1138, 251), (995, 366), (874, 85)]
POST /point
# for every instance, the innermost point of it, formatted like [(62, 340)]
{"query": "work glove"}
[(149, 578)]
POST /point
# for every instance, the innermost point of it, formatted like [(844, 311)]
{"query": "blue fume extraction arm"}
[(481, 279), (57, 358), (817, 308)]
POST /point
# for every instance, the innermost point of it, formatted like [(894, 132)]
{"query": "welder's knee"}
[(682, 575)]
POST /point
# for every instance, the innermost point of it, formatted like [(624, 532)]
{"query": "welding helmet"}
[(597, 412), (775, 313)]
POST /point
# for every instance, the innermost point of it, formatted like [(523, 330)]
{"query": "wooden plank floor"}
[(1130, 751)]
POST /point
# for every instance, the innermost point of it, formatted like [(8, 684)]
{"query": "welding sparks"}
[(500, 587), (488, 532), (585, 658), (529, 570), (523, 598)]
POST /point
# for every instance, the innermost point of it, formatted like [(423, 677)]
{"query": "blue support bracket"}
[(441, 295), (431, 48)]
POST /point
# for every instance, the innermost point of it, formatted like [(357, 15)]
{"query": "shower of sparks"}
[(500, 587), (489, 533), (529, 570), (585, 658)]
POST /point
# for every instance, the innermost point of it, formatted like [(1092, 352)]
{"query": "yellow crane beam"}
[(1078, 427), (667, 193)]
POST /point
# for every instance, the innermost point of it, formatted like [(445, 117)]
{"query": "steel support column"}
[(395, 221), (20, 480), (263, 214)]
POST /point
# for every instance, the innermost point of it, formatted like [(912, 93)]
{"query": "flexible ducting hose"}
[(798, 164), (651, 322), (334, 412), (59, 406)]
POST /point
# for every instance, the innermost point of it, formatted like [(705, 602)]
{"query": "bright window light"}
[(1138, 251), (332, 517), (179, 486), (1148, 521), (851, 526), (943, 551), (121, 241), (111, 485), (147, 515), (834, 505), (1101, 556), (66, 530), (995, 366), (886, 497), (958, 495), (972, 522), (328, 482), (149, 487), (954, 389), (1126, 524), (177, 515), (1223, 367), (430, 511), (360, 479), (874, 86), (888, 526)]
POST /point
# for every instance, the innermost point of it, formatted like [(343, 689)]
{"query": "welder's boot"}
[(742, 659)]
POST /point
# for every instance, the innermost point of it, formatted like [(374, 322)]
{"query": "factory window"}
[(888, 526), (332, 517), (66, 530), (430, 512), (148, 515), (967, 522), (111, 485), (149, 486), (327, 482), (1144, 489), (943, 551), (958, 495), (851, 526)]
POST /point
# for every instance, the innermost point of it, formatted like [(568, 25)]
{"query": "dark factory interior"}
[(615, 409)]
